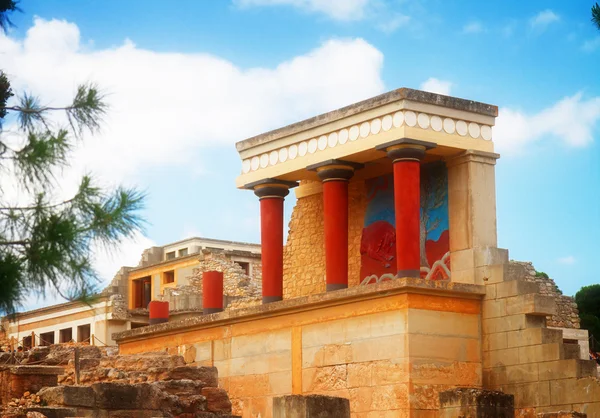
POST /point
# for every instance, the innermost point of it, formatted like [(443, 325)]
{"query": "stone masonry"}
[(521, 356), (304, 252), (567, 315), (149, 384)]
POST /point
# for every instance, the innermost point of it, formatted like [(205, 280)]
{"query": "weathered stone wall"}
[(521, 356), (567, 314), (304, 252), (239, 288), (387, 353)]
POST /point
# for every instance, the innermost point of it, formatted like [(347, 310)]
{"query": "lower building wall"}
[(389, 353)]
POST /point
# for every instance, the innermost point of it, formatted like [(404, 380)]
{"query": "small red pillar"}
[(212, 292), (158, 312), (406, 155), (335, 175), (272, 193)]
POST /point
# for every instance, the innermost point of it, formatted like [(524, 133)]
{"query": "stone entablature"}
[(356, 129)]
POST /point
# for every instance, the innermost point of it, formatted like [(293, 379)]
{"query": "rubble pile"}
[(145, 385)]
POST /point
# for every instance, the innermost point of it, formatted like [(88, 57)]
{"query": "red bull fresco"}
[(378, 242)]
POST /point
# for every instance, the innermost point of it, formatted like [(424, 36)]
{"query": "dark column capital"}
[(340, 170), (406, 149), (271, 188)]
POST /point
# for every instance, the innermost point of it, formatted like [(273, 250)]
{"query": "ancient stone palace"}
[(391, 288), (390, 294)]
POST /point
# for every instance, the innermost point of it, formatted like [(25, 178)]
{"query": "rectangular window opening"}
[(27, 343), (169, 277), (245, 266), (47, 338), (183, 252), (65, 335), (142, 292), (83, 333), (170, 255)]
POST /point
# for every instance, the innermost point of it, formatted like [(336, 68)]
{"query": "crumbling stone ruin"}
[(567, 314), (49, 382)]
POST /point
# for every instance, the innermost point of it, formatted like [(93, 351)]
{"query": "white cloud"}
[(567, 260), (591, 44), (571, 120), (434, 85), (165, 107), (473, 27), (543, 19), (391, 25), (335, 9)]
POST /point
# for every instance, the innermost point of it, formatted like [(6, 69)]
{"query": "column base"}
[(270, 299), (208, 311), (335, 286), (408, 273)]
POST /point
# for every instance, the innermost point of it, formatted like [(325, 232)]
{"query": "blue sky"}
[(190, 78)]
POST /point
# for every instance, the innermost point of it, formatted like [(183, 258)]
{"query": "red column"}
[(335, 175), (271, 192), (158, 312), (212, 292), (335, 206), (406, 155), (407, 206), (271, 239)]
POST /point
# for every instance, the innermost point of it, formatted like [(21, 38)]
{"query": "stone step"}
[(533, 336), (531, 304), (515, 288), (565, 369)]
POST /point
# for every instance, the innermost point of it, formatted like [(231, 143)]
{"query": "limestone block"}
[(421, 321), (68, 395), (361, 399), (522, 373), (427, 372), (489, 256), (475, 402), (564, 391), (539, 353), (493, 308), (260, 343), (533, 336), (500, 358), (390, 397), (298, 406), (512, 323), (260, 364), (436, 347), (359, 374), (381, 348), (565, 369), (531, 304), (249, 386), (327, 355), (498, 341), (324, 378), (490, 274), (387, 372), (514, 288), (222, 349), (280, 383), (490, 292), (529, 395)]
